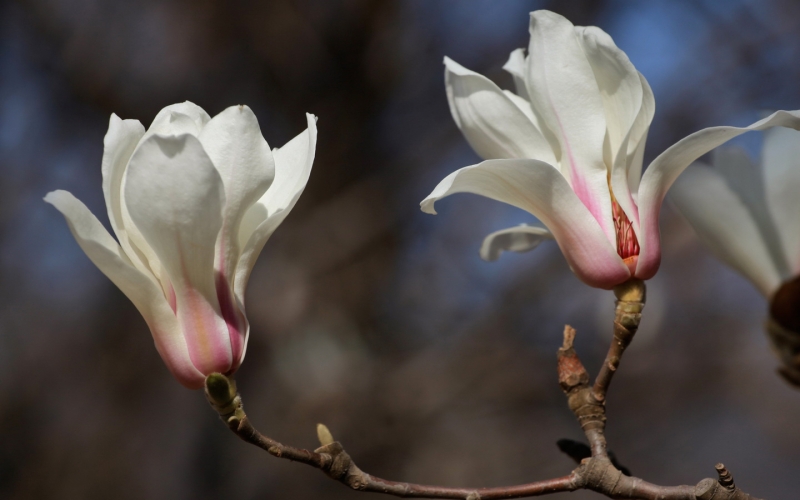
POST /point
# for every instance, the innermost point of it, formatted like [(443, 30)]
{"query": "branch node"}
[(725, 478), (571, 372)]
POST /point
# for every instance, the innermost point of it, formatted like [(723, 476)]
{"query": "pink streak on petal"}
[(178, 361), (583, 251), (171, 298), (577, 181), (232, 316), (650, 257), (209, 348)]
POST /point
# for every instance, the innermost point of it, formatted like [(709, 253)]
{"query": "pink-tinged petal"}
[(176, 197), (781, 160), (725, 225), (563, 89), (232, 312), (516, 67), (522, 238), (241, 155), (292, 168), (540, 189), (234, 143), (492, 123), (141, 289), (663, 171), (119, 143)]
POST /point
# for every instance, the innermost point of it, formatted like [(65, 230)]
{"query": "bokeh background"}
[(429, 364)]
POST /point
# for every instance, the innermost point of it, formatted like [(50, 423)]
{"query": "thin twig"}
[(596, 473), (333, 460)]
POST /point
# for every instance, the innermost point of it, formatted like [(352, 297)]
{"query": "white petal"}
[(182, 118), (619, 84), (522, 238), (638, 137), (119, 143), (781, 159), (234, 143), (175, 197), (516, 67), (173, 120), (563, 89), (663, 171), (627, 171), (493, 125), (725, 225), (145, 294), (540, 189), (745, 180), (292, 168)]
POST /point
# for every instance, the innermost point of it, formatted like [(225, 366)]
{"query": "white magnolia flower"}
[(192, 202), (568, 148), (749, 217)]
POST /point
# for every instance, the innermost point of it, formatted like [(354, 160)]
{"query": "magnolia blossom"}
[(568, 148), (192, 201), (750, 219)]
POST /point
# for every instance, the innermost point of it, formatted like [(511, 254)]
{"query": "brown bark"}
[(587, 402)]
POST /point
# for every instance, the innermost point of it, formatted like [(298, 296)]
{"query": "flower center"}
[(627, 244)]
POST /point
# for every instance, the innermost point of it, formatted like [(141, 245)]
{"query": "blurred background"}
[(429, 364)]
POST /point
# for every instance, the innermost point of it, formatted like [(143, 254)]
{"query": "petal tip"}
[(426, 206), (53, 197)]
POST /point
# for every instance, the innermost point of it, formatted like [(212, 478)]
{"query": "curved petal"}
[(725, 225), (118, 145), (493, 125), (173, 120), (781, 159), (516, 67), (145, 294), (234, 143), (182, 118), (663, 171), (619, 83), (540, 189), (175, 196), (292, 168), (638, 137), (626, 171), (745, 180), (563, 89), (522, 238)]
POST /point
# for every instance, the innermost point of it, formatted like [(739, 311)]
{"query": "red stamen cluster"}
[(627, 244)]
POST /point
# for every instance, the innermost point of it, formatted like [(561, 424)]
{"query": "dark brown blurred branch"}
[(596, 472)]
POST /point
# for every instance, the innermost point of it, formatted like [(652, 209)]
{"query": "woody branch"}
[(596, 472)]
